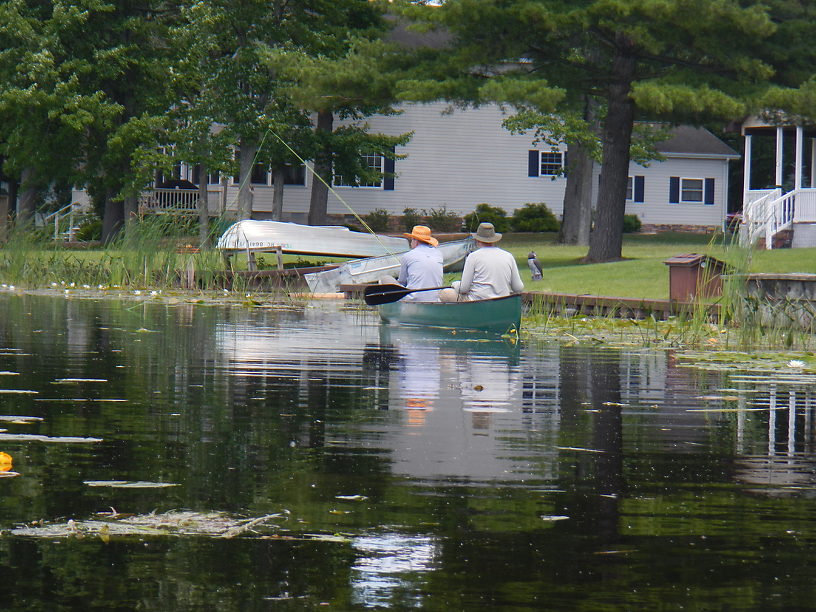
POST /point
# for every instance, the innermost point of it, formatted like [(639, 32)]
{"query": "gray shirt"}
[(421, 267), (490, 272)]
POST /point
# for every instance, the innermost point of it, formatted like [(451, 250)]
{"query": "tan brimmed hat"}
[(423, 234), (486, 233)]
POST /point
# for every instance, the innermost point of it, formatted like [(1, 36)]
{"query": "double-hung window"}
[(545, 163), (373, 161), (684, 190)]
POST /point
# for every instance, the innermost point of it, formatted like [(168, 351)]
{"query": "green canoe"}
[(499, 315)]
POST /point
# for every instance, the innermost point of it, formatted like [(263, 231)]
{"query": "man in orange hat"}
[(421, 267)]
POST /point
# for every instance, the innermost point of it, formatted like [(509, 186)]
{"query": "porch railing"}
[(169, 200), (774, 212), (63, 220), (756, 215)]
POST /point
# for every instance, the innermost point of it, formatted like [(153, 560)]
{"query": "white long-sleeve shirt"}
[(490, 272)]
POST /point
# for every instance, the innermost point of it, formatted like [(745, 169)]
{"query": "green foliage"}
[(485, 213), (534, 218), (90, 229), (378, 220), (444, 220), (410, 218), (631, 224)]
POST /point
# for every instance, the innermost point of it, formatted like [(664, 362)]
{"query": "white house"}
[(458, 158)]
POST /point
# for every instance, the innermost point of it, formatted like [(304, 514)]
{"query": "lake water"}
[(387, 468)]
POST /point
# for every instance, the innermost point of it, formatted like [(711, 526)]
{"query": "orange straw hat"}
[(423, 234)]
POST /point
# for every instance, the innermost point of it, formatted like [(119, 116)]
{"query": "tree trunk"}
[(278, 179), (577, 218), (246, 159), (28, 197), (319, 202), (606, 239), (112, 219), (577, 215), (203, 208), (130, 210)]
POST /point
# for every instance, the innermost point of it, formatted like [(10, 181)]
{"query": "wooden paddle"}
[(385, 294)]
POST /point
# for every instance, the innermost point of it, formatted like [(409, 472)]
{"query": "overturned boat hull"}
[(334, 241)]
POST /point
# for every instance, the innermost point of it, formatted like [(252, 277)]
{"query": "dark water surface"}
[(455, 474)]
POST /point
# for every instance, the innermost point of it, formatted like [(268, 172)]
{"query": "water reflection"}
[(450, 472), (389, 563)]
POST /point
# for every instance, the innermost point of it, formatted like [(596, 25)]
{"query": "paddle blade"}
[(375, 295)]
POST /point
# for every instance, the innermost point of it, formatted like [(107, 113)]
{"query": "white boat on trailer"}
[(371, 269)]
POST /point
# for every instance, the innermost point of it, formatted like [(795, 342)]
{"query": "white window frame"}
[(549, 162), (683, 189), (372, 160)]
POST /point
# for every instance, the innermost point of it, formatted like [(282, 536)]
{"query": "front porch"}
[(787, 208)]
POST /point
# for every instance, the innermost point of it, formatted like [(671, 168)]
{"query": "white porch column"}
[(779, 143), (746, 168), (813, 162), (800, 133)]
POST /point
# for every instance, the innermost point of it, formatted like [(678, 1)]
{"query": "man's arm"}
[(467, 275)]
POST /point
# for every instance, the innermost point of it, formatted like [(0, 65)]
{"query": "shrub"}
[(410, 218), (485, 213), (534, 218), (378, 220), (444, 220), (631, 223), (89, 229)]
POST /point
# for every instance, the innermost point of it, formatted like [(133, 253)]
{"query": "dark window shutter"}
[(640, 183), (533, 166), (708, 191), (564, 163), (388, 179), (674, 190)]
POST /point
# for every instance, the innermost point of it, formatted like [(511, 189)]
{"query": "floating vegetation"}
[(48, 439), (168, 524), (20, 420), (129, 484)]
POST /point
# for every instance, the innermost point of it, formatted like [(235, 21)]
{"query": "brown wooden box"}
[(692, 275)]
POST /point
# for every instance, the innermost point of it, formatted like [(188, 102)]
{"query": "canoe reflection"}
[(457, 393)]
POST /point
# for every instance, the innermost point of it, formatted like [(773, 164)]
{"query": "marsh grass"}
[(151, 254)]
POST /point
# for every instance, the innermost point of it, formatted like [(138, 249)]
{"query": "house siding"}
[(458, 158), (656, 209)]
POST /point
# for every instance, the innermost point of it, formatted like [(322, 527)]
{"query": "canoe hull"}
[(498, 316)]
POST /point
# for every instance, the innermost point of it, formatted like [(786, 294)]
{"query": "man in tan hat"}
[(489, 271), (420, 267)]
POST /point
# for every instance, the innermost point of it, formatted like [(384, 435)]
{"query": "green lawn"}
[(642, 273)]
